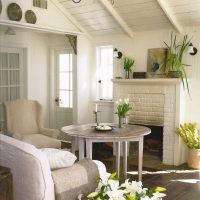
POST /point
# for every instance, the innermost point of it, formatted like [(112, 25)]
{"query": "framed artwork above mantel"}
[(156, 60)]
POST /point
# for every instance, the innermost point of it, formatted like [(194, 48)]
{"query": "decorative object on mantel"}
[(40, 3), (30, 17), (73, 42), (139, 75), (0, 6), (156, 60), (128, 63), (122, 110), (175, 68), (191, 136), (110, 188), (14, 12)]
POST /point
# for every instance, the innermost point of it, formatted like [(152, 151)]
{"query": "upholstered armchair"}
[(24, 122)]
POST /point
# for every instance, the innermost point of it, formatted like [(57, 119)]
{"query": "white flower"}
[(126, 100), (157, 196), (116, 194), (132, 186), (114, 184)]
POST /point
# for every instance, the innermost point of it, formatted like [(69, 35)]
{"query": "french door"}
[(11, 78), (63, 88)]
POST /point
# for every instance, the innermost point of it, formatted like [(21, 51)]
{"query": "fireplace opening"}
[(153, 143)]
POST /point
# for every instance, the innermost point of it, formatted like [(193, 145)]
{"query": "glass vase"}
[(121, 121), (127, 74)]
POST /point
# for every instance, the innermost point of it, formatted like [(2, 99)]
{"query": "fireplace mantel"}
[(159, 100), (152, 81)]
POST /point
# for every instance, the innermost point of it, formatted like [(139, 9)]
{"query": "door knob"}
[(57, 99)]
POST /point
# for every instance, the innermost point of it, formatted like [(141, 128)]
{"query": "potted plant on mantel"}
[(191, 136), (175, 68), (128, 63)]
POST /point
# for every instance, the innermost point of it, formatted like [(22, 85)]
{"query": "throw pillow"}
[(59, 158)]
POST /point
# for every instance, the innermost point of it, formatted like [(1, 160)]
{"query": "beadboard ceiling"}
[(100, 17)]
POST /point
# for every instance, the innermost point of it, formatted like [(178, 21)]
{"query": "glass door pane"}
[(65, 80)]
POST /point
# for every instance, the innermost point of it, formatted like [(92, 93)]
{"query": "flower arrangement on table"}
[(110, 189), (123, 108)]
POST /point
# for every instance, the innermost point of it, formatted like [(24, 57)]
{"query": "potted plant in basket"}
[(191, 136), (128, 63), (175, 68)]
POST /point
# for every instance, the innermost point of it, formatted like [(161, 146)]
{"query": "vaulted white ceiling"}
[(100, 17)]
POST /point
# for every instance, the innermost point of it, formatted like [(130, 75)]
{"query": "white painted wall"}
[(37, 66), (49, 18), (85, 64), (137, 47)]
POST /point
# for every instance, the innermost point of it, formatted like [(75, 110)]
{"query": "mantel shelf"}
[(145, 81)]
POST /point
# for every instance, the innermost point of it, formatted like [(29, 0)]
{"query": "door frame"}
[(52, 81)]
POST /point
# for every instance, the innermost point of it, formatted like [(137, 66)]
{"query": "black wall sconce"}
[(192, 50), (117, 54)]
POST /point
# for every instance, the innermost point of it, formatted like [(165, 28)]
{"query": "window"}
[(65, 80), (11, 78), (105, 72)]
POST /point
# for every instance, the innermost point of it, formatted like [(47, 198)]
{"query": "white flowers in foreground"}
[(109, 189)]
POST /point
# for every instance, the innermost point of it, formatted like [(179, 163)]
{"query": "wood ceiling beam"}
[(117, 17), (71, 18), (163, 5)]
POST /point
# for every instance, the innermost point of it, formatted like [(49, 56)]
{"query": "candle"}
[(95, 107)]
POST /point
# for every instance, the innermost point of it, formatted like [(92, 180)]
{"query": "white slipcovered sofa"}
[(33, 179)]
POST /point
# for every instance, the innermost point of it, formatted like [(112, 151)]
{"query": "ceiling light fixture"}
[(192, 50), (76, 1)]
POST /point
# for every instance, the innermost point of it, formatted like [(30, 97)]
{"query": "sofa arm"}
[(80, 178), (49, 132)]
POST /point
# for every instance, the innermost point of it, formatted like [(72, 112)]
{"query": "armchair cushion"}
[(49, 132), (41, 141), (59, 158), (77, 179)]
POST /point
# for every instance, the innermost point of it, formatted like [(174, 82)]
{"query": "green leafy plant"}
[(123, 107), (128, 63), (190, 135), (110, 189), (175, 57)]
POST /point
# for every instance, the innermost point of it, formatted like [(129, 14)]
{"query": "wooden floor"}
[(180, 185), (181, 182)]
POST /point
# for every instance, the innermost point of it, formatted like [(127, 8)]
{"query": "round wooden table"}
[(86, 134)]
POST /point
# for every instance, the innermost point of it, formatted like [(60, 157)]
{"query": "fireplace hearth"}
[(154, 141)]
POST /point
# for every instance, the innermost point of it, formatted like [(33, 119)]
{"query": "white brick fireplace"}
[(156, 102)]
